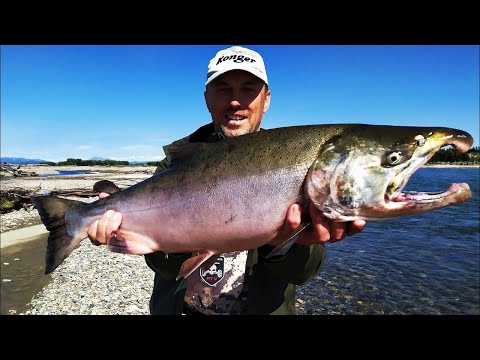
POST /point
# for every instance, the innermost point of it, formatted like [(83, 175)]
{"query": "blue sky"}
[(126, 102)]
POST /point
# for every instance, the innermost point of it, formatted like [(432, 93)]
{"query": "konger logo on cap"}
[(236, 58)]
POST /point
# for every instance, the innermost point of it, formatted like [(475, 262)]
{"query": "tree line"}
[(450, 155), (80, 162)]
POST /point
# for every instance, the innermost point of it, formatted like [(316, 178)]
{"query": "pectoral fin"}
[(283, 248), (193, 263)]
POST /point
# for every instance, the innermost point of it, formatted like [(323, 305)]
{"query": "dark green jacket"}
[(271, 285)]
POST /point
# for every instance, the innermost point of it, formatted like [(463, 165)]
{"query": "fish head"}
[(361, 172)]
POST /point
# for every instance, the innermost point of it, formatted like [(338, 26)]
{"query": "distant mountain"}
[(17, 160), (98, 158)]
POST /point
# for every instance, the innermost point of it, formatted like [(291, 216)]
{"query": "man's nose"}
[(235, 103)]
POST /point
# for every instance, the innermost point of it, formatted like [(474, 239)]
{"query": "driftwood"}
[(74, 192), (15, 171), (18, 198), (12, 201)]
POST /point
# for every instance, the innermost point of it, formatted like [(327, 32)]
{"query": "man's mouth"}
[(235, 118)]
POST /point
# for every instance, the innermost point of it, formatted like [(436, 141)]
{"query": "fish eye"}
[(394, 158), (419, 140)]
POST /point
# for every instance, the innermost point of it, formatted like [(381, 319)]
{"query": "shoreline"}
[(442, 166), (24, 234)]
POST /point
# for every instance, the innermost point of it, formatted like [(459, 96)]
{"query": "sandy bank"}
[(123, 176), (21, 235), (42, 170)]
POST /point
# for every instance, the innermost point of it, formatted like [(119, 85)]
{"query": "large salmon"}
[(234, 194)]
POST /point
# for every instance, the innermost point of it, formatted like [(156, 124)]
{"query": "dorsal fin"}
[(181, 149)]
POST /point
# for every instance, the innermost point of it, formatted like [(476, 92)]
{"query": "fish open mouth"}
[(368, 183), (455, 193)]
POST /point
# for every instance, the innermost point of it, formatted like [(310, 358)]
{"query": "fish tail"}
[(52, 211)]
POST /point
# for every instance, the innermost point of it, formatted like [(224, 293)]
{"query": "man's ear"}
[(205, 96), (267, 101)]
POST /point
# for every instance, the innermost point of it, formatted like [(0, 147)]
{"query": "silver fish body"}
[(234, 194)]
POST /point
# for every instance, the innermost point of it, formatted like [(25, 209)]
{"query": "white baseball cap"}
[(236, 58)]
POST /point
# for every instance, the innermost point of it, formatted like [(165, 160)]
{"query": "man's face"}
[(236, 101)]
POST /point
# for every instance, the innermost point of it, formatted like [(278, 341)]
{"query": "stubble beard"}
[(237, 132)]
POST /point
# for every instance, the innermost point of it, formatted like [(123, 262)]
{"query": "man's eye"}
[(222, 90)]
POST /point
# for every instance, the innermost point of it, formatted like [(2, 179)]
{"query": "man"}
[(243, 282)]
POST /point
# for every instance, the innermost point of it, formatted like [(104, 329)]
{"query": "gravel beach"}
[(91, 280), (94, 281)]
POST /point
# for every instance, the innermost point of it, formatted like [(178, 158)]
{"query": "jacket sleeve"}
[(298, 265)]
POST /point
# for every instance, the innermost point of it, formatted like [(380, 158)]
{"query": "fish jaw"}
[(406, 203), (361, 175)]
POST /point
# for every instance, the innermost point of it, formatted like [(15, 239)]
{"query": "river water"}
[(67, 172), (22, 273)]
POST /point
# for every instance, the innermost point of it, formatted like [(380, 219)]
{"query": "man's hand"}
[(321, 230), (101, 230)]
